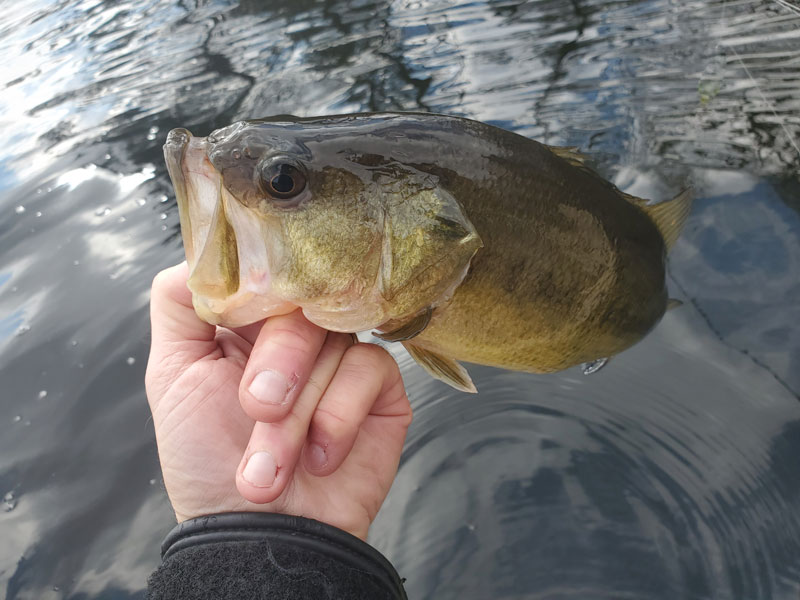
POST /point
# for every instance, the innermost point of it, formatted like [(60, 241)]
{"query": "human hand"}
[(327, 446)]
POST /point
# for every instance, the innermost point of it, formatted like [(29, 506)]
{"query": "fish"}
[(460, 240)]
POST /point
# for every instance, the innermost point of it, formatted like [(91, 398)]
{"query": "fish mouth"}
[(208, 238), (229, 273)]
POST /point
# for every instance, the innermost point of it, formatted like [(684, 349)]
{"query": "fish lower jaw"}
[(240, 309)]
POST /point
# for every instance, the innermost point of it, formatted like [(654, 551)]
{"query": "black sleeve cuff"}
[(265, 555)]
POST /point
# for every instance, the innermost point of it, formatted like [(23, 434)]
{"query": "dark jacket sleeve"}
[(256, 556)]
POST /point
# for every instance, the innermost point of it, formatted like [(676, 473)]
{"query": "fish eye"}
[(282, 180)]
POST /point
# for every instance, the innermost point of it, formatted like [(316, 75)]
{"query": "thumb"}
[(177, 332)]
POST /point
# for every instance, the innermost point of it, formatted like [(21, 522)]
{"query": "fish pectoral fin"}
[(442, 368), (400, 332), (673, 303), (594, 366)]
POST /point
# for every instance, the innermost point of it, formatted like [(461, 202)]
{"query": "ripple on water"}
[(573, 490)]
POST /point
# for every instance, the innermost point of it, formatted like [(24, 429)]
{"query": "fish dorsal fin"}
[(441, 367), (572, 155), (668, 216)]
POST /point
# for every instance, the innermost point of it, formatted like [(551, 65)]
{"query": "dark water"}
[(673, 473)]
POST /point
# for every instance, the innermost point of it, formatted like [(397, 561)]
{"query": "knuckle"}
[(368, 363), (332, 424), (293, 429), (366, 356), (316, 385), (287, 339), (161, 282), (358, 373)]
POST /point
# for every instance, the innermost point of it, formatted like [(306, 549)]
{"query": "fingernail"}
[(260, 469), (269, 387), (317, 457)]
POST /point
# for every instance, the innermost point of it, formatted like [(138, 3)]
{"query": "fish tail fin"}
[(670, 216)]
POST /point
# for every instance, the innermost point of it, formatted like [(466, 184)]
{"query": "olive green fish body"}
[(570, 270), (462, 240)]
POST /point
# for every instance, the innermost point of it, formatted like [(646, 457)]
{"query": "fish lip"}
[(174, 149), (180, 149)]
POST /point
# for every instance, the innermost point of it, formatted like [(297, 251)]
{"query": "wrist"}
[(215, 550)]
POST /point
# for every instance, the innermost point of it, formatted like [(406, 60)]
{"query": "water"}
[(672, 473)]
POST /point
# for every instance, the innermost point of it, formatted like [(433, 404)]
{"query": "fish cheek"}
[(331, 243), (427, 248)]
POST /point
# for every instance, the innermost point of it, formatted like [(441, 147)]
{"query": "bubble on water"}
[(42, 394), (9, 502), (23, 329), (16, 419), (121, 220), (141, 201), (130, 360), (103, 211), (114, 275), (107, 156), (152, 482), (163, 228), (163, 198), (73, 343), (38, 213), (39, 191), (152, 132), (56, 588), (19, 209), (27, 423), (76, 262), (163, 216)]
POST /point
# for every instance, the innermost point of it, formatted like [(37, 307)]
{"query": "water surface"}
[(672, 473)]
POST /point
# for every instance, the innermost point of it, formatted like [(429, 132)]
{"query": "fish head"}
[(284, 213)]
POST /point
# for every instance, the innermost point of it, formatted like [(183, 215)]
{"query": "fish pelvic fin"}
[(673, 303), (442, 368), (405, 331), (670, 216)]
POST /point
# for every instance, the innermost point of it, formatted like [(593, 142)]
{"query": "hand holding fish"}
[(317, 429)]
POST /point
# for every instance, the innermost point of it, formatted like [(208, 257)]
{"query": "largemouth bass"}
[(463, 241)]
